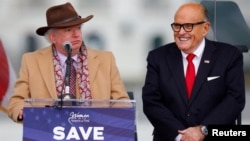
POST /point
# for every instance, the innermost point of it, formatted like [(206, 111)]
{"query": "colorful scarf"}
[(82, 73)]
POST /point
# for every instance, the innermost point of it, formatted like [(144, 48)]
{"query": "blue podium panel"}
[(79, 124)]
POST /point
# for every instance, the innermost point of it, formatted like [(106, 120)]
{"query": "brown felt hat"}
[(60, 16)]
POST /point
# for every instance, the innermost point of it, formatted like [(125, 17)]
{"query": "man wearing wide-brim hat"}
[(42, 72)]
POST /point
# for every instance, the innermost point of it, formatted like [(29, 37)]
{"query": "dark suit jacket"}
[(218, 96)]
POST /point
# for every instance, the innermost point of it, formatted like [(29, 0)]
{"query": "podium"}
[(79, 120)]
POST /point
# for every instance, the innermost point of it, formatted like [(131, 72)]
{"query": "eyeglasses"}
[(188, 27)]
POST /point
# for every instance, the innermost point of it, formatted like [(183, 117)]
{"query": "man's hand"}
[(192, 134), (20, 115)]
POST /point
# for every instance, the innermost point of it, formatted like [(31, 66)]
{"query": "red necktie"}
[(190, 74), (72, 78)]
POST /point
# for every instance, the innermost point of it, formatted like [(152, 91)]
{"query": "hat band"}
[(66, 20)]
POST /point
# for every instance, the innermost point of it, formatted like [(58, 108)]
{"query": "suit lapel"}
[(93, 64), (177, 70), (45, 64), (205, 66)]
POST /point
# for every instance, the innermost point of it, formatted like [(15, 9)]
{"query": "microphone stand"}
[(66, 79), (65, 93), (67, 74)]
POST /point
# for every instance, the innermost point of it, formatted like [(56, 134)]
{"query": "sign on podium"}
[(79, 120)]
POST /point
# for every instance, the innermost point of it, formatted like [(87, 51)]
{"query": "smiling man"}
[(193, 82)]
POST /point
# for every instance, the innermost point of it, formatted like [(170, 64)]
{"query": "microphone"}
[(67, 47)]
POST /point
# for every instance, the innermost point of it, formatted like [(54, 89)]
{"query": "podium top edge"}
[(79, 103), (78, 100)]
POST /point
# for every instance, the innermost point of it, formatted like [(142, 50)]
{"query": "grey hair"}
[(46, 35), (205, 12)]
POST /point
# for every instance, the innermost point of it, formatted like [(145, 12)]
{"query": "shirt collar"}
[(63, 58)]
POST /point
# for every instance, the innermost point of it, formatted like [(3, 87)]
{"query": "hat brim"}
[(42, 30)]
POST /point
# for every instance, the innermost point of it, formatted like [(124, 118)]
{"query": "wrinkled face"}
[(73, 34), (190, 17)]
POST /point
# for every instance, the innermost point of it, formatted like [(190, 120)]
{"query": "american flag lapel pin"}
[(206, 61)]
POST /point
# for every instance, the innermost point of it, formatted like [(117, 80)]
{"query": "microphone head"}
[(67, 46)]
